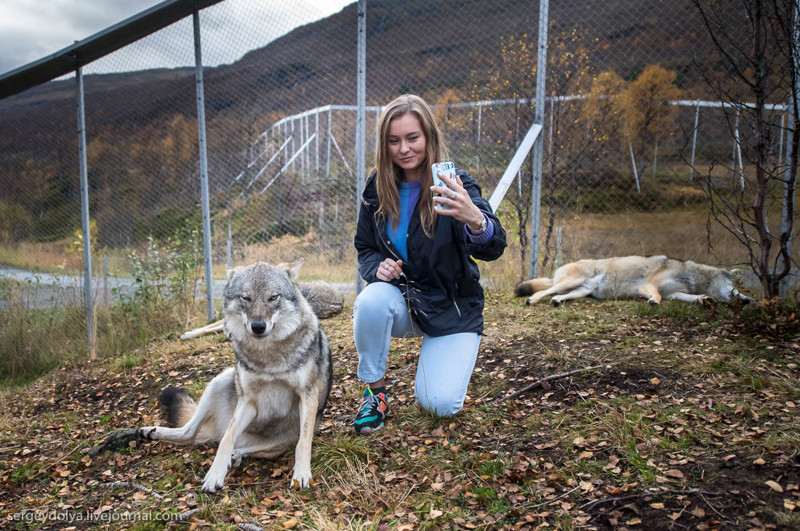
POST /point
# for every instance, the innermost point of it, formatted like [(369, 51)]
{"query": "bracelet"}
[(481, 229)]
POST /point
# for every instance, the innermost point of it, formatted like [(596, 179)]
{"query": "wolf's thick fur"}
[(325, 300), (652, 277), (275, 395)]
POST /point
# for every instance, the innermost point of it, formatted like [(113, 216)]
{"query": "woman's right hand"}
[(389, 270)]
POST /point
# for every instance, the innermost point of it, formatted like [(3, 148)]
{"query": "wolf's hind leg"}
[(213, 405), (561, 287), (650, 291)]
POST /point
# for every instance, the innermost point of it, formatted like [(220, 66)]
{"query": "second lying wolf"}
[(652, 277), (275, 395)]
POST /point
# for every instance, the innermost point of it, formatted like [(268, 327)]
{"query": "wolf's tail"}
[(529, 287), (177, 405)]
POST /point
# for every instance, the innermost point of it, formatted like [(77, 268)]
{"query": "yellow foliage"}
[(647, 110)]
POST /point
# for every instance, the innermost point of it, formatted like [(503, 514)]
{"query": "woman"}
[(416, 258)]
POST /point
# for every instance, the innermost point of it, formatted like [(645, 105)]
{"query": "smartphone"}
[(449, 170)]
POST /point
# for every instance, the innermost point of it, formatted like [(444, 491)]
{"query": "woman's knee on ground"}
[(441, 404)]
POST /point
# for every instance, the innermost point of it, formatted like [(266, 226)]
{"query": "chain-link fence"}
[(633, 133)]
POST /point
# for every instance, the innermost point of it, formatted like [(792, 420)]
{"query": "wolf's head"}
[(722, 286), (261, 300)]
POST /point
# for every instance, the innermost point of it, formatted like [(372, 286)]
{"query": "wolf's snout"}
[(258, 327)]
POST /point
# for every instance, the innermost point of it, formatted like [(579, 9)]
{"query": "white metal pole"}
[(85, 226), (790, 192), (478, 143), (738, 150), (328, 157), (694, 139), (377, 132), (635, 171), (538, 151), (201, 145), (361, 113)]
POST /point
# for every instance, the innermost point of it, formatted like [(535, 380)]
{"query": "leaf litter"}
[(680, 421)]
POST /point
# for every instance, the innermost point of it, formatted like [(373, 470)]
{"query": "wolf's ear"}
[(292, 268), (232, 271)]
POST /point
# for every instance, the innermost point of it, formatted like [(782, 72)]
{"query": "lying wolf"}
[(652, 277), (275, 395), (325, 300)]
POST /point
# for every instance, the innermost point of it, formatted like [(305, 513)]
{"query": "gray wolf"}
[(325, 300), (274, 396), (653, 277)]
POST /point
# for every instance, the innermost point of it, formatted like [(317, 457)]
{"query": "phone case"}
[(449, 169)]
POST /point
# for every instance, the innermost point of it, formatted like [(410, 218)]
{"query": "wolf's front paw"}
[(652, 302), (215, 478), (148, 433), (705, 300), (555, 303), (302, 477)]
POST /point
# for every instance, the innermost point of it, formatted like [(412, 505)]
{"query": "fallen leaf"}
[(699, 512), (773, 485), (290, 523), (674, 473)]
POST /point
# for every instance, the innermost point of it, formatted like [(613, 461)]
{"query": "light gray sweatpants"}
[(445, 362)]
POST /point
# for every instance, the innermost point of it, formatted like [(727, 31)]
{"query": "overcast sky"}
[(32, 29)]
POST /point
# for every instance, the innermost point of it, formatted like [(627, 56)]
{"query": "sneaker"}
[(371, 412)]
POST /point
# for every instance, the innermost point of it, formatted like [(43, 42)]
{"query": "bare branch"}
[(551, 378)]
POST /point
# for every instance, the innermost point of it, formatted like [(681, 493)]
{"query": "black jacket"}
[(441, 284)]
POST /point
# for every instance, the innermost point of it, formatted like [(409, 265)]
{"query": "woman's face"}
[(407, 145)]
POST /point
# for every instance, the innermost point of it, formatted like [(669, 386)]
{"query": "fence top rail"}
[(100, 44), (489, 103)]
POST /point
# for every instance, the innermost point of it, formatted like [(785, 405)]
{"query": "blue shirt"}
[(409, 195)]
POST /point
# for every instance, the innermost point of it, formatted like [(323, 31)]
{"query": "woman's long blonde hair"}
[(388, 175)]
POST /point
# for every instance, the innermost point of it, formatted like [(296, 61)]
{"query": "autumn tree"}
[(757, 46), (649, 117), (568, 74), (515, 79), (603, 115)]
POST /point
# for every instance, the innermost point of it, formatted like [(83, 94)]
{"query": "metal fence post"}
[(790, 189), (87, 237), (361, 113), (201, 145), (538, 151), (694, 139), (328, 156)]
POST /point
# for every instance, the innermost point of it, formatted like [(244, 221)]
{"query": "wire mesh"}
[(626, 142)]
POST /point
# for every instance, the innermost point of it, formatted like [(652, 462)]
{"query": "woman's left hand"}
[(461, 206)]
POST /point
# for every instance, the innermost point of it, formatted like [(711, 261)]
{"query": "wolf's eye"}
[(245, 298), (274, 297)]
